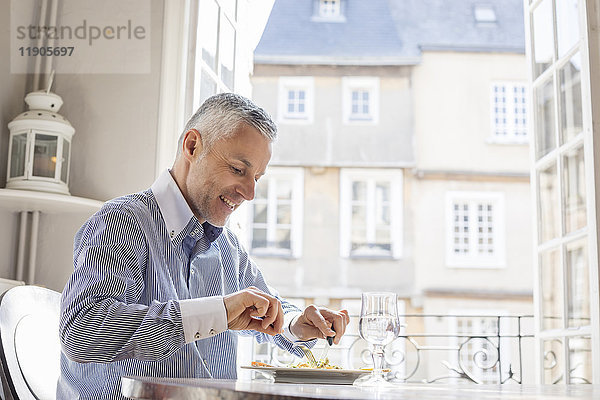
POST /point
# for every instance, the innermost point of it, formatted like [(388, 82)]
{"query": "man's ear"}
[(192, 144)]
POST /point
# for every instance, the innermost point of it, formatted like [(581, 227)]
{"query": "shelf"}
[(49, 203)]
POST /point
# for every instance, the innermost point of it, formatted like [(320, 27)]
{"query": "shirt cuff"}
[(287, 322), (203, 317)]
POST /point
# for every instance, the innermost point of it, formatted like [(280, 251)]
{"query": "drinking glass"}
[(379, 325)]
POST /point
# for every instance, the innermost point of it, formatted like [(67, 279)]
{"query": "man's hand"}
[(319, 322), (254, 309)]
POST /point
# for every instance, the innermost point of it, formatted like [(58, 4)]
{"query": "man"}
[(160, 288)]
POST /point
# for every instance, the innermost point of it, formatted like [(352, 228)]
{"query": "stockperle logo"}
[(81, 36)]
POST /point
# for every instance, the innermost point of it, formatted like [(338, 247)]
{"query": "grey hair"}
[(220, 115)]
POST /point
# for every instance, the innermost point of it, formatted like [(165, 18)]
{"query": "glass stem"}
[(377, 360)]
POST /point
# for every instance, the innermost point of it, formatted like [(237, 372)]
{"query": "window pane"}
[(554, 364), (567, 25), (499, 111), (44, 155), (544, 98), (580, 360), (570, 98), (543, 37), (262, 188), (383, 240), (382, 192), (208, 87), (574, 190), (461, 228), (359, 239), (329, 8), (284, 214), (552, 291), (259, 238), (282, 236), (520, 111), (284, 189), (359, 217), (260, 213), (17, 161), (65, 160), (383, 217), (579, 290), (485, 229), (549, 217), (227, 52), (359, 191), (229, 6), (208, 19)]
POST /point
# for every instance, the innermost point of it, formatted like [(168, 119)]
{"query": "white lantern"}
[(40, 146)]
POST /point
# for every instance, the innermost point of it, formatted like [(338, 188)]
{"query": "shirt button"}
[(197, 335), (192, 272), (212, 332)]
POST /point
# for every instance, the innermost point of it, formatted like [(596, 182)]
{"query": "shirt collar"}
[(175, 210), (173, 207)]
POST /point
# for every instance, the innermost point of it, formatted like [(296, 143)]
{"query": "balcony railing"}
[(490, 349)]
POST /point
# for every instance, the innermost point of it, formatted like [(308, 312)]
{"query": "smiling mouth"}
[(227, 202)]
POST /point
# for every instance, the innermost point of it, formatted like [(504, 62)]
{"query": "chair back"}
[(30, 346)]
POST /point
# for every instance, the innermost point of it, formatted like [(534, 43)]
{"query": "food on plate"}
[(321, 364), (371, 369), (260, 364)]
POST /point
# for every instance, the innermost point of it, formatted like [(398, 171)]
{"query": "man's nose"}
[(247, 189)]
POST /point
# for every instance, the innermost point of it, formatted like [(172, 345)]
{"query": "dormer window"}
[(484, 14), (329, 8)]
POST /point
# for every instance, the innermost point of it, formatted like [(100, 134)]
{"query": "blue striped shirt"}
[(148, 282)]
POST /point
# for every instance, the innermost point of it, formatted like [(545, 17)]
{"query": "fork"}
[(325, 350), (309, 355)]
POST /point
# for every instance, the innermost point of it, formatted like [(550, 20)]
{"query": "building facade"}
[(402, 162)]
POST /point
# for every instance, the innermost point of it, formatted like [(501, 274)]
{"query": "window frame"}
[(369, 84), (474, 260), (296, 175), (511, 136), (396, 179), (337, 7), (199, 67), (545, 62), (287, 83)]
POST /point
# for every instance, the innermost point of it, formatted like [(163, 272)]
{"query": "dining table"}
[(214, 389)]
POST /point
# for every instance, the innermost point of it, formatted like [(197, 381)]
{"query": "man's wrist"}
[(287, 329)]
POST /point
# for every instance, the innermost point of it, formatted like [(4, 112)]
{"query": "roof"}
[(365, 32), (435, 25), (388, 32)]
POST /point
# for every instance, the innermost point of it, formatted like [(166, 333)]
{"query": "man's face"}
[(223, 178)]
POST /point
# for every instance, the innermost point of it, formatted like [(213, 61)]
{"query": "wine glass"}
[(379, 325)]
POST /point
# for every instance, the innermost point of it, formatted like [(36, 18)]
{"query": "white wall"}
[(113, 150), (451, 94), (430, 238)]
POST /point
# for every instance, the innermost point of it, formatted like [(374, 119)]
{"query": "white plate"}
[(311, 375)]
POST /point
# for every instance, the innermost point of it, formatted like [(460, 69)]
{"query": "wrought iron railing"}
[(434, 348)]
